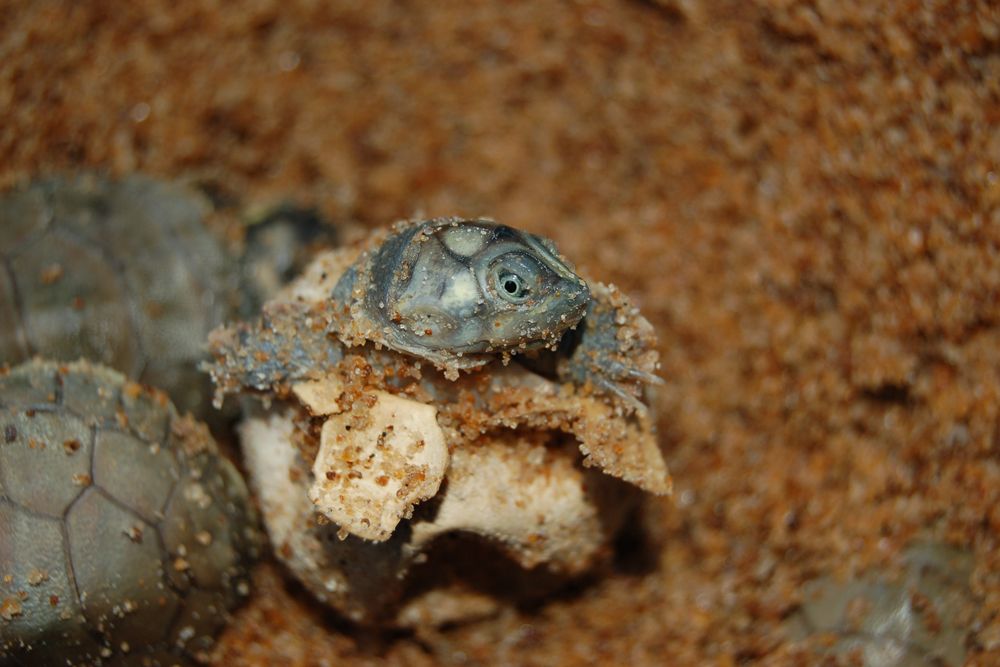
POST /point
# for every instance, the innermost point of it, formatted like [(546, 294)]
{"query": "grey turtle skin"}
[(607, 350), (124, 273), (435, 290), (125, 536), (460, 292)]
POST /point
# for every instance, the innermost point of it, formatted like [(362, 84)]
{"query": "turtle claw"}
[(612, 350), (621, 372), (646, 378), (619, 391), (614, 380)]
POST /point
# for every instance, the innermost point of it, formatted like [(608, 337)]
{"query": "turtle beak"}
[(577, 297)]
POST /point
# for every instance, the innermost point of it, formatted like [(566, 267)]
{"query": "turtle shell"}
[(125, 536), (459, 293), (120, 272)]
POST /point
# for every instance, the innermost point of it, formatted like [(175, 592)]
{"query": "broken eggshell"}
[(391, 455), (367, 479)]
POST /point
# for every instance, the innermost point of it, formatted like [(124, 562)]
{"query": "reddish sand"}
[(803, 197)]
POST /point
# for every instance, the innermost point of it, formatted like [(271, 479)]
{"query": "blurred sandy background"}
[(803, 197)]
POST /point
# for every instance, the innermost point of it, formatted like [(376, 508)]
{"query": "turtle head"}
[(474, 287)]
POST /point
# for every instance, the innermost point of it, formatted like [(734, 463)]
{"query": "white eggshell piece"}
[(367, 478), (318, 280), (321, 396), (275, 472), (523, 494)]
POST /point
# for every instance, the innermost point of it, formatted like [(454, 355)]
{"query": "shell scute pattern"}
[(119, 518), (124, 273), (459, 292)]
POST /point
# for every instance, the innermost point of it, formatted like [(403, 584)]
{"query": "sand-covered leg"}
[(287, 343), (613, 349)]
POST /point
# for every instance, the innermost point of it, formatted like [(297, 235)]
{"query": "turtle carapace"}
[(459, 292)]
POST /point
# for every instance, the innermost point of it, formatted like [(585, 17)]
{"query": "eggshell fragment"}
[(368, 478), (520, 491)]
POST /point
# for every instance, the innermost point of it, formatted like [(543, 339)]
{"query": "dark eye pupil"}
[(512, 286)]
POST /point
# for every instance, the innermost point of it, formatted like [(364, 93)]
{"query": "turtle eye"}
[(516, 278), (512, 288)]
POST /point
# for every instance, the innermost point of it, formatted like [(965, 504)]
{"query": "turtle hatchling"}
[(126, 538), (459, 294), (456, 292), (123, 273), (400, 436)]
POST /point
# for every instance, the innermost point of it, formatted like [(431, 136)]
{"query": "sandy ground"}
[(803, 197)]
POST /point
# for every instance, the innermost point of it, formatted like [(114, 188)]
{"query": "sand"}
[(802, 197)]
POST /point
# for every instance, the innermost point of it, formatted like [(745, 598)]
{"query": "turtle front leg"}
[(287, 344), (613, 350)]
